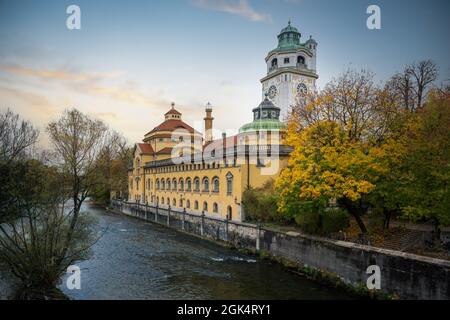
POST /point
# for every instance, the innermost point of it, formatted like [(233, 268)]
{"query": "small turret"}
[(208, 123)]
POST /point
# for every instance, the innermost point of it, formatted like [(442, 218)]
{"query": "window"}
[(286, 60), (301, 60), (162, 200), (215, 208), (174, 202), (205, 184), (274, 62), (168, 185), (168, 202), (157, 184), (188, 184), (229, 177), (174, 184), (157, 200), (181, 185), (229, 213), (131, 184), (180, 203), (188, 204), (215, 184), (205, 206), (197, 185), (196, 205), (148, 183)]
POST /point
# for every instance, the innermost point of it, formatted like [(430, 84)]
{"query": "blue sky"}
[(132, 58)]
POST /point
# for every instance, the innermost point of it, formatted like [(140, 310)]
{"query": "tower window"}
[(286, 60)]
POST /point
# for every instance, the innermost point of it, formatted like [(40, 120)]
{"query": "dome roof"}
[(289, 28), (266, 104), (263, 124), (266, 117)]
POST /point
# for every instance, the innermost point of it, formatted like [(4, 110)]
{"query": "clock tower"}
[(291, 70)]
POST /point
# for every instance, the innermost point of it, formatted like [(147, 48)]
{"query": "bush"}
[(261, 204), (334, 220)]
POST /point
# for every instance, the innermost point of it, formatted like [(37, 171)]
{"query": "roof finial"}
[(266, 95), (289, 21), (173, 105)]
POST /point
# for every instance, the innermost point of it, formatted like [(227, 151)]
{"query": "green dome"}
[(289, 40), (263, 125)]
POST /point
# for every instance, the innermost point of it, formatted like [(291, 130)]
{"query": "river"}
[(139, 260)]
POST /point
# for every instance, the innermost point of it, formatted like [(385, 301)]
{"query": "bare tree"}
[(77, 141), (16, 136), (424, 73)]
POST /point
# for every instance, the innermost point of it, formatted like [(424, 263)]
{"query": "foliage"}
[(34, 242), (426, 170), (325, 166), (260, 204)]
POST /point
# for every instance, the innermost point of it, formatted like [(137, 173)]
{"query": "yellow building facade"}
[(180, 167), (177, 166)]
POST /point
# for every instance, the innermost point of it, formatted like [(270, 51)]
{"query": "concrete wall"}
[(406, 275)]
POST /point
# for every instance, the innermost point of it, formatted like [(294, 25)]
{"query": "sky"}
[(131, 59)]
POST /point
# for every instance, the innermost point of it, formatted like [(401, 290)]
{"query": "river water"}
[(140, 260)]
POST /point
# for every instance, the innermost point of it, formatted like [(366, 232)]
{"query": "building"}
[(177, 166), (291, 69)]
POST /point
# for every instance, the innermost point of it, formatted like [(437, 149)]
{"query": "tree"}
[(16, 136), (77, 142), (425, 173), (35, 245), (111, 168), (326, 165), (411, 86)]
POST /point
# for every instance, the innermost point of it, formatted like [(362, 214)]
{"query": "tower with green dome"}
[(291, 70)]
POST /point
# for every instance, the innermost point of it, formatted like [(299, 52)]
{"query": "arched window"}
[(174, 184), (215, 183), (215, 207), (188, 204), (157, 184), (188, 184), (168, 202), (157, 200), (205, 184), (205, 206), (163, 184), (196, 205), (180, 203), (274, 62), (162, 200), (229, 177), (181, 184), (168, 184), (174, 202), (229, 213), (197, 184), (148, 183), (301, 60)]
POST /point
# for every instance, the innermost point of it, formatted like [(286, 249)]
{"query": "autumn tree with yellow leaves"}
[(357, 146)]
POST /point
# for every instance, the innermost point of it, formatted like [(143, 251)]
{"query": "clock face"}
[(272, 92), (302, 90)]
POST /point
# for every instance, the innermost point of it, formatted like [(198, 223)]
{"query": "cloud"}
[(236, 7), (58, 75), (91, 84)]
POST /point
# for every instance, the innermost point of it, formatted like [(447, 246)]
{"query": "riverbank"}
[(340, 263)]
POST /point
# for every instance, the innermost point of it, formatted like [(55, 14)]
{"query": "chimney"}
[(208, 123)]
